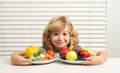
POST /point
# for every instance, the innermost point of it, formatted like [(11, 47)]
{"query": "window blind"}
[(22, 22)]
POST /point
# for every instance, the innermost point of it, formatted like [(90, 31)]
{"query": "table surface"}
[(112, 65)]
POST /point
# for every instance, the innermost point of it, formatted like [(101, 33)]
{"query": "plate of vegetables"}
[(39, 55)]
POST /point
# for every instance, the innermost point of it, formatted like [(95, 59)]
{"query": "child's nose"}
[(60, 37)]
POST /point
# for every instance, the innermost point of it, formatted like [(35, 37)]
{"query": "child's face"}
[(60, 39)]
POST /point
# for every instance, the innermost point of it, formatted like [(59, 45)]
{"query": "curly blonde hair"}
[(59, 23)]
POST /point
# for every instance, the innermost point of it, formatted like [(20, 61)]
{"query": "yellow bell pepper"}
[(31, 50)]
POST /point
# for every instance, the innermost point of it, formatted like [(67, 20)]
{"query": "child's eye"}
[(64, 34), (55, 33)]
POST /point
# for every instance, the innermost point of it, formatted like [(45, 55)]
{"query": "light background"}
[(113, 25), (22, 22), (113, 28)]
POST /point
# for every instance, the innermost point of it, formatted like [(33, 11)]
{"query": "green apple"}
[(71, 55)]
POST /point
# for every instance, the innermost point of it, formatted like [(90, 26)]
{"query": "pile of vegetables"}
[(35, 53)]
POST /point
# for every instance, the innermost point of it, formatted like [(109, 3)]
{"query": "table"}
[(112, 65)]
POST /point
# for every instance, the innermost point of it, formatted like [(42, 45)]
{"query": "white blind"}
[(22, 22)]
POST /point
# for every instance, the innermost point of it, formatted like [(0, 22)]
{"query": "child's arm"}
[(98, 59), (18, 59)]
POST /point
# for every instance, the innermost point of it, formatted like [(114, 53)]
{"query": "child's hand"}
[(18, 59), (101, 56), (92, 60)]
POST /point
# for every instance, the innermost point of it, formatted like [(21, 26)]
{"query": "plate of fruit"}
[(72, 62), (39, 55), (75, 54)]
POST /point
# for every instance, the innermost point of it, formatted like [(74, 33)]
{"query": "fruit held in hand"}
[(63, 53), (71, 55), (31, 50)]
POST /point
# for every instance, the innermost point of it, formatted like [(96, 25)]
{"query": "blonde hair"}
[(59, 23)]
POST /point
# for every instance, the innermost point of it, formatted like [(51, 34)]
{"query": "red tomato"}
[(50, 52)]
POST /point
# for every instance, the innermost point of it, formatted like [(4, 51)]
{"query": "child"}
[(58, 34)]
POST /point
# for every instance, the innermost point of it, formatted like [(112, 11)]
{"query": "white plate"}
[(42, 62), (72, 62), (46, 61)]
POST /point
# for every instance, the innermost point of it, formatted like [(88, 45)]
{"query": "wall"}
[(22, 22), (113, 33)]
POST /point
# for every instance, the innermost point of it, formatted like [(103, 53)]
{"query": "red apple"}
[(84, 54), (63, 53)]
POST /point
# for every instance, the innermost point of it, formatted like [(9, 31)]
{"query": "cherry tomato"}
[(50, 52)]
